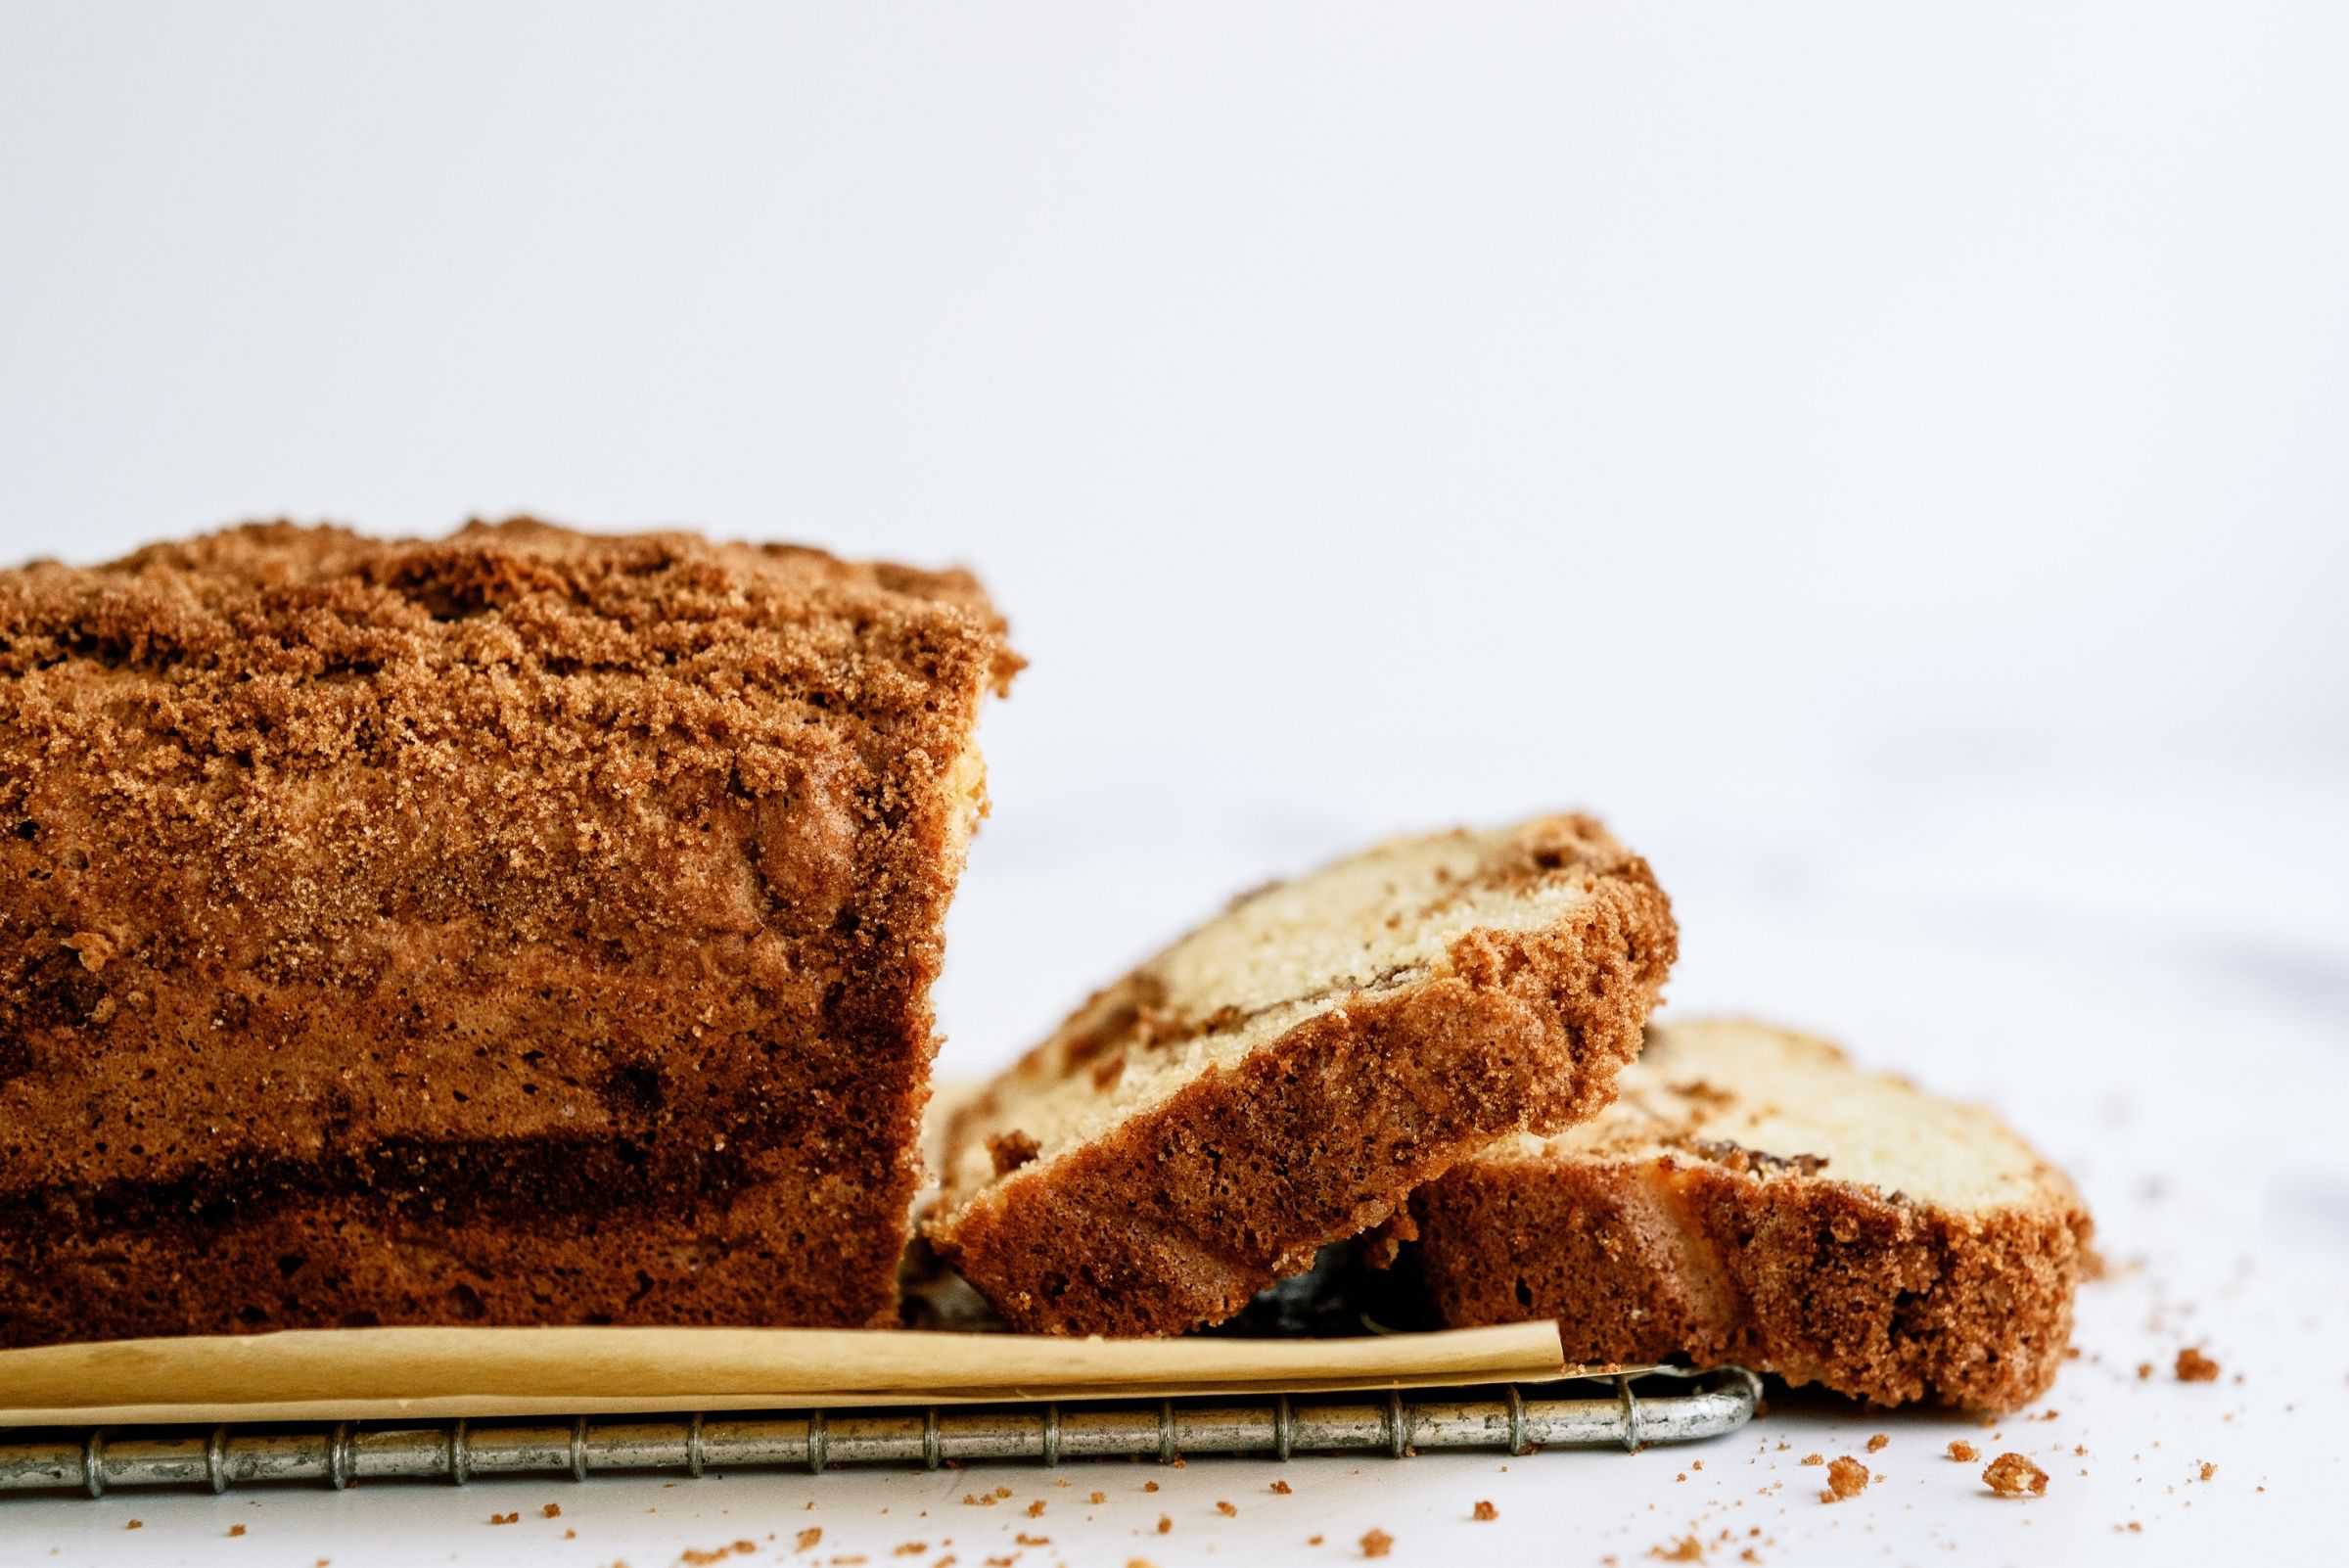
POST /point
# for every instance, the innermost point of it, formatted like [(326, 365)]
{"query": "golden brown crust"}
[(433, 923), (1820, 1281), (1182, 1212)]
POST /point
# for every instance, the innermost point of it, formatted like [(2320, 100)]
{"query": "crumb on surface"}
[(506, 1519), (552, 1511), (2208, 1469), (1377, 1543), (1814, 1458), (134, 1524), (1226, 1509), (1281, 1489), (1035, 1509), (1096, 1497), (1963, 1452), (2010, 1475), (1485, 1510), (1164, 1524), (1686, 1549), (1876, 1443), (1149, 1485), (1846, 1477), (2195, 1368), (1027, 1539)]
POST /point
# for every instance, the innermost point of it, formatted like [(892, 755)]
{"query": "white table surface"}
[(2168, 1023)]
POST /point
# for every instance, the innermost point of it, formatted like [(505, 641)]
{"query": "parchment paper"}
[(378, 1373)]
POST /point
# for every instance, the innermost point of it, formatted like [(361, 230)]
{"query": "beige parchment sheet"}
[(390, 1373)]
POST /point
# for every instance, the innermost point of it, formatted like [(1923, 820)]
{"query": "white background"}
[(1890, 462)]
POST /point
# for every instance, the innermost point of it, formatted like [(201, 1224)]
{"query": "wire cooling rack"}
[(1627, 1408)]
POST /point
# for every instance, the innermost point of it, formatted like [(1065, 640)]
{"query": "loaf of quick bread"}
[(522, 927)]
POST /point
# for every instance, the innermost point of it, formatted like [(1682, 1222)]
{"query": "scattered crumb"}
[(235, 1531), (2010, 1475), (1096, 1497), (2144, 1370), (1149, 1485), (1686, 1550), (505, 1518), (1281, 1489), (909, 1549), (699, 1559), (1313, 1540), (1814, 1458), (1140, 1563), (1377, 1543), (808, 1537), (1846, 1477), (1027, 1539), (1680, 1476), (1876, 1445), (570, 1535), (1226, 1509), (2208, 1469), (2195, 1368), (1964, 1452), (1485, 1510), (552, 1511), (1164, 1524), (1035, 1509)]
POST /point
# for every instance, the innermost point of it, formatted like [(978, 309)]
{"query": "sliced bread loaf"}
[(1753, 1197), (1283, 1076)]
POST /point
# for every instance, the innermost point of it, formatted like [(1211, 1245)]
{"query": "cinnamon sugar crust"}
[(1201, 1127), (520, 927), (1651, 1234)]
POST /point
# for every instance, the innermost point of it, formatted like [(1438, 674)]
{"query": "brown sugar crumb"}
[(2145, 1371), (909, 1549), (1686, 1549), (979, 1500), (134, 1524), (1485, 1510), (1027, 1539), (2010, 1475), (1149, 1485), (1164, 1524), (1096, 1497), (552, 1511), (505, 1518), (235, 1531), (2208, 1469), (1281, 1489), (1314, 1541), (1035, 1509), (1140, 1563), (808, 1537), (1814, 1458), (570, 1535), (1847, 1478), (700, 1558), (1226, 1509), (2195, 1368), (1964, 1452), (1001, 1493), (1876, 1445), (1377, 1543)]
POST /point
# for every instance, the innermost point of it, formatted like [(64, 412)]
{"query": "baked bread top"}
[(314, 840), (1281, 1075)]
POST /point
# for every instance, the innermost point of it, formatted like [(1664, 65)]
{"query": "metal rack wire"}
[(1515, 1419)]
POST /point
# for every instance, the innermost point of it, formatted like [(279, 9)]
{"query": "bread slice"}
[(1284, 1075), (1753, 1197)]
